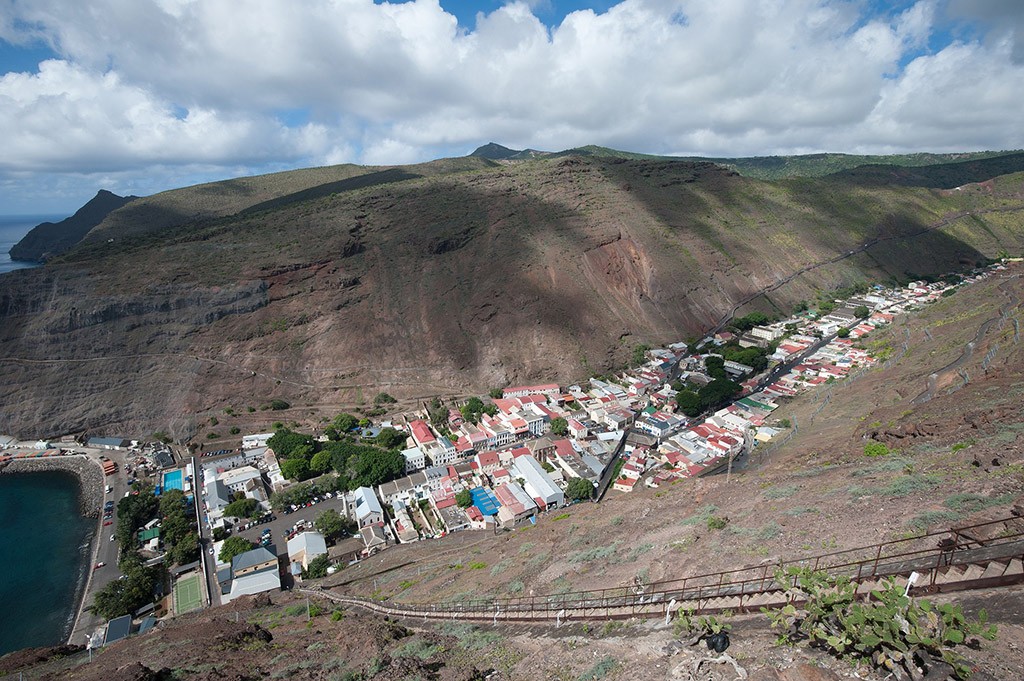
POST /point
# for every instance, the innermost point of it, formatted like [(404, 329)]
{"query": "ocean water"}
[(12, 228), (44, 554)]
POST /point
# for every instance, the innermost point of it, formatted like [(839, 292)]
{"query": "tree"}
[(559, 426), (279, 405), (243, 508), (344, 423), (689, 403), (332, 524), (186, 549), (219, 534), (843, 332), (390, 438), (579, 489), (714, 365), (124, 596), (472, 409), (718, 392), (321, 462), (317, 567), (861, 311), (384, 398), (234, 546), (495, 393), (464, 499), (295, 469), (284, 442)]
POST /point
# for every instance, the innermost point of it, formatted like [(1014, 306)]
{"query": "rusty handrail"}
[(701, 587)]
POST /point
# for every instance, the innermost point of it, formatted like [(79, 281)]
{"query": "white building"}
[(415, 460), (257, 440), (368, 509), (537, 482)]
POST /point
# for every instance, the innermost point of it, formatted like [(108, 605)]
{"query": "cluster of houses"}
[(513, 467)]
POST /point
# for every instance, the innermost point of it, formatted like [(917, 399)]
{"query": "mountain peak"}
[(49, 239), (494, 151)]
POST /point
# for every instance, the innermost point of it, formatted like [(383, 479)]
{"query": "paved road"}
[(105, 551)]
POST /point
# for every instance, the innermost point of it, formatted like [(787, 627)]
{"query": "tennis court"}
[(188, 594), (485, 500)]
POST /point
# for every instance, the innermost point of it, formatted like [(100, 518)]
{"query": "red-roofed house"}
[(421, 432), (577, 429), (488, 462)]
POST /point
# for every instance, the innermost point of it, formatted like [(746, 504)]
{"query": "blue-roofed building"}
[(147, 624), (118, 628)]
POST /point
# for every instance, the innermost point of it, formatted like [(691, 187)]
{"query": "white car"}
[(112, 538)]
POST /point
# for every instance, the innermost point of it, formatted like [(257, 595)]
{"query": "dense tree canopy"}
[(295, 469), (125, 596), (472, 409), (689, 403), (579, 489), (285, 442), (718, 392), (345, 423), (332, 524), (234, 546), (321, 462), (243, 508), (559, 426), (390, 438), (464, 499), (715, 366)]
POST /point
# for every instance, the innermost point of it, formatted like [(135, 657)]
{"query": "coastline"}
[(90, 501)]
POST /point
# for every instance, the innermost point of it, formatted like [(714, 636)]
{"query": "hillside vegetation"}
[(323, 287)]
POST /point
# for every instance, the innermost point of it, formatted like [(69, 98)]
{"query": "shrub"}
[(875, 449), (605, 666), (279, 405), (717, 522), (780, 492), (891, 631), (235, 430)]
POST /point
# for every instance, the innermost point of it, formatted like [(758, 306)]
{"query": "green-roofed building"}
[(147, 535)]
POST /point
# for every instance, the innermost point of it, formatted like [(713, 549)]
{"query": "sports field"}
[(188, 594)]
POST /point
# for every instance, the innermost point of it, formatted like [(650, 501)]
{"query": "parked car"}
[(98, 566), (108, 522)]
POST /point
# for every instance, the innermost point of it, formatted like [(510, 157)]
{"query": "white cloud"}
[(391, 83)]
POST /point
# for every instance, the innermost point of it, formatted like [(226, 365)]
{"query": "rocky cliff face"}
[(444, 284)]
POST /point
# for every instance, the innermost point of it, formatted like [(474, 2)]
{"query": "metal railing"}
[(703, 593)]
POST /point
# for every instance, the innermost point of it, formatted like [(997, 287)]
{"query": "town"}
[(286, 506)]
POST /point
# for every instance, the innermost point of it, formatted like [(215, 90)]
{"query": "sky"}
[(139, 96)]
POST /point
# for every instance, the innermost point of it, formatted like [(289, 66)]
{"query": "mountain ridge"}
[(50, 239), (462, 275)]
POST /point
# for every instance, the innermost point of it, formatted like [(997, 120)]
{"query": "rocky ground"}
[(263, 637)]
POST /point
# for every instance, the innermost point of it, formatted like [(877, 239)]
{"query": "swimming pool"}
[(172, 480)]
